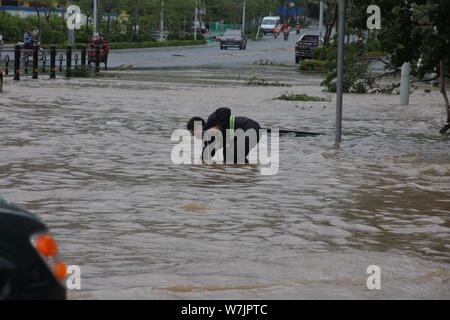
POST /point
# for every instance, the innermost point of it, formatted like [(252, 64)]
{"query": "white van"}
[(269, 23)]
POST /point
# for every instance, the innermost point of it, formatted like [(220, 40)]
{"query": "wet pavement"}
[(276, 50), (92, 158)]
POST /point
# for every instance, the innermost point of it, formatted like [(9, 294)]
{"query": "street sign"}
[(293, 11)]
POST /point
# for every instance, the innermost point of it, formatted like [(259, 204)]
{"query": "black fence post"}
[(7, 65), (17, 63), (44, 62), (83, 56), (53, 62), (97, 58), (61, 59), (35, 62), (69, 62)]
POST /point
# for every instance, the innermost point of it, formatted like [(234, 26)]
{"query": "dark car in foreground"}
[(305, 45), (29, 264), (233, 39)]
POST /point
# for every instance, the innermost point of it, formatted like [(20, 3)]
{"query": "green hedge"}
[(313, 65), (13, 28), (129, 37), (64, 46), (184, 36), (323, 53)]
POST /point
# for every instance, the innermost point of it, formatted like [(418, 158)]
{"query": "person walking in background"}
[(28, 39), (298, 27), (36, 34), (285, 29)]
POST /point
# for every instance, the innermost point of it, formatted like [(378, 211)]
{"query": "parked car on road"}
[(233, 38), (29, 264), (305, 45), (271, 25)]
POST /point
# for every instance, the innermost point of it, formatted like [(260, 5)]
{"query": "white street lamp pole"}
[(340, 71), (95, 17), (405, 84), (243, 16), (321, 20), (161, 34), (196, 20)]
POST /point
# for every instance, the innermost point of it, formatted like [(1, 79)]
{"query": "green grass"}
[(287, 96), (82, 72), (268, 62), (254, 81), (313, 65)]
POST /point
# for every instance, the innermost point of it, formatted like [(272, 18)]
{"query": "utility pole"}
[(95, 17), (404, 80), (243, 16), (340, 71), (196, 20), (321, 20), (71, 37), (405, 84), (161, 34)]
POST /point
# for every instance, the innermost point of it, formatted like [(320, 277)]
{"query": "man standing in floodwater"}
[(222, 120)]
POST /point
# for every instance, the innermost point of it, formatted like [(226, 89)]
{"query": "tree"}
[(86, 7), (412, 31), (49, 4), (331, 15), (111, 7), (63, 4)]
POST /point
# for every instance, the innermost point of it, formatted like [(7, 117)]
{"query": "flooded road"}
[(277, 50), (92, 158)]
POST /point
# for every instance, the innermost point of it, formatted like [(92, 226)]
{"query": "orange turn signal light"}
[(60, 270), (46, 246)]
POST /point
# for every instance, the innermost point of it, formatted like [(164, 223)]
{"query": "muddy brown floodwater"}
[(92, 158)]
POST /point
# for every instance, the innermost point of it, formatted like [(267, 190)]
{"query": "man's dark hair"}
[(190, 124)]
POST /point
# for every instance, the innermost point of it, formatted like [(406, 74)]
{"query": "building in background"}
[(9, 3), (23, 9)]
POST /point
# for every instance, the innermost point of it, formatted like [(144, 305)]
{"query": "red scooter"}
[(104, 51), (286, 34)]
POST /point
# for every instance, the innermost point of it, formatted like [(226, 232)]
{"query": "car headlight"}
[(46, 247)]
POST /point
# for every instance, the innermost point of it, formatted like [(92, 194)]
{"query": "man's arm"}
[(208, 156), (212, 133)]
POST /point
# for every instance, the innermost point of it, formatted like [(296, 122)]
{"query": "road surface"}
[(276, 50)]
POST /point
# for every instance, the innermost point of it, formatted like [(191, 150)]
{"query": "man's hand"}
[(445, 130)]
